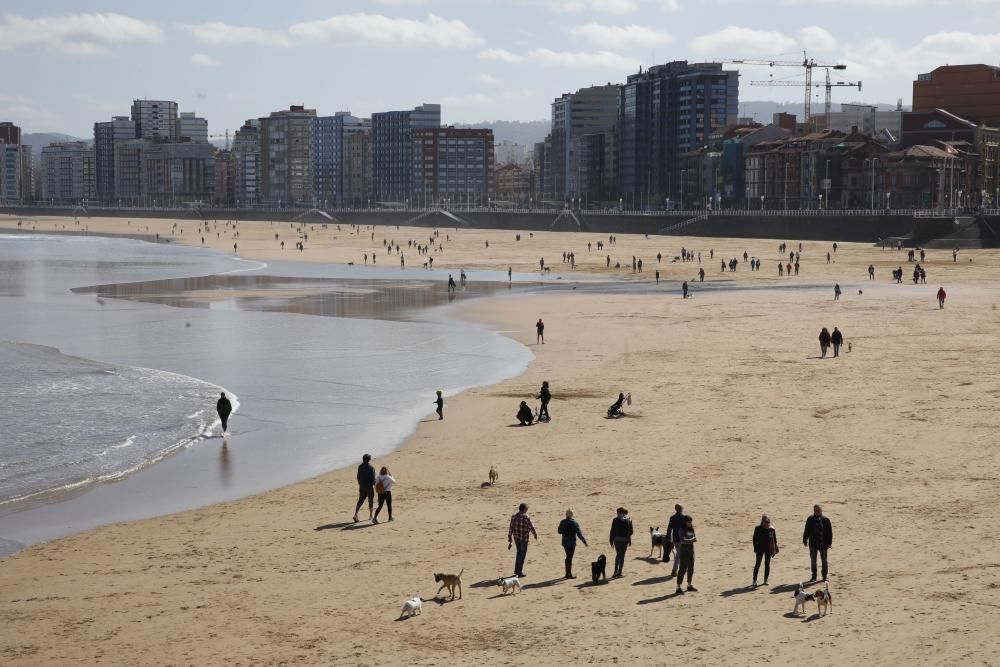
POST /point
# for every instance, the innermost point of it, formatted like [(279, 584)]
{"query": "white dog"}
[(509, 584), (412, 607), (801, 597)]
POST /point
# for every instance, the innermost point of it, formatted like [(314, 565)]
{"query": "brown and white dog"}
[(824, 601), (451, 582), (801, 597), (494, 475)]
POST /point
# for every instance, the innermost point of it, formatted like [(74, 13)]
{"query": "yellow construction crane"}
[(828, 85), (807, 63)]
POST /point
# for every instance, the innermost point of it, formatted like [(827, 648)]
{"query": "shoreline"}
[(284, 576)]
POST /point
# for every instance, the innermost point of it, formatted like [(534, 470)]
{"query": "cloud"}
[(734, 42), (204, 61), (621, 37), (577, 6), (224, 34), (893, 4), (815, 38), (377, 29), (500, 55), (582, 59), (401, 3), (487, 79), (884, 58), (470, 100), (77, 34)]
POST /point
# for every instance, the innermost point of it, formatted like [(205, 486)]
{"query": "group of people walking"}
[(826, 339), (680, 540), (370, 485)]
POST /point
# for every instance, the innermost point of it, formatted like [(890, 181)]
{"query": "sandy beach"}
[(734, 414)]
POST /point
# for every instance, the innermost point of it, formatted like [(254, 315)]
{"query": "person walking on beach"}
[(439, 403), (451, 283), (224, 408), (520, 531), (871, 272), (366, 486), (684, 289), (701, 275), (824, 341), (620, 538), (765, 547), (539, 332), (509, 274), (544, 396), (570, 531), (657, 276), (941, 296), (383, 487), (836, 292), (818, 536), (675, 527), (685, 554), (836, 339)]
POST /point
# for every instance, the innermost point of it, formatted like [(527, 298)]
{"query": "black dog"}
[(598, 567)]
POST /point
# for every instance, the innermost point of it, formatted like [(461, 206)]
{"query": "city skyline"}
[(72, 64)]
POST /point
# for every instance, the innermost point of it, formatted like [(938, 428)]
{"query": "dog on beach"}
[(801, 597), (598, 569), (451, 582), (509, 584), (494, 475), (824, 601), (411, 608), (658, 541)]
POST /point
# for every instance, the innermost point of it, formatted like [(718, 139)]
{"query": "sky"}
[(69, 63)]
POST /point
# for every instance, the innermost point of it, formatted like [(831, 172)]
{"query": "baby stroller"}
[(616, 410)]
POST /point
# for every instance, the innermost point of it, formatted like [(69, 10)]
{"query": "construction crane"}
[(809, 84), (807, 63), (221, 136)]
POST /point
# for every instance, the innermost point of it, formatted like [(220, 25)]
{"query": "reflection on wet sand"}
[(365, 299)]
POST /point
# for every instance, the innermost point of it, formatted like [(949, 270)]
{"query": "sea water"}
[(113, 400)]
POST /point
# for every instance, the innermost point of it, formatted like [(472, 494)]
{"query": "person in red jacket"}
[(941, 297)]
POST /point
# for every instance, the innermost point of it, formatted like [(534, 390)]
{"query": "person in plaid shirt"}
[(520, 531)]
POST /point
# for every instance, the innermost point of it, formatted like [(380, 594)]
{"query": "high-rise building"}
[(391, 149), (192, 128), (971, 92), (222, 191), (69, 173), (328, 134), (156, 119), (357, 175), (663, 113), (176, 173), (129, 190), (10, 133), (244, 164), (587, 111), (509, 152), (106, 135), (15, 173), (450, 163), (286, 157)]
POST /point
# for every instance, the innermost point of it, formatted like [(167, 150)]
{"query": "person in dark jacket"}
[(675, 529), (837, 339), (818, 536), (524, 414), (685, 554), (439, 402), (224, 408), (570, 531), (765, 547), (620, 538), (544, 396), (824, 341), (366, 486)]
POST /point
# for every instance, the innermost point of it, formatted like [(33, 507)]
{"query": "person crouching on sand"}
[(524, 414)]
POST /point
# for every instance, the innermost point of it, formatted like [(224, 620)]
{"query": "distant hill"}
[(762, 111), (527, 133), (39, 140)]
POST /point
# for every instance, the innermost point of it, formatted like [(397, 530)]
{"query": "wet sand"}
[(734, 415)]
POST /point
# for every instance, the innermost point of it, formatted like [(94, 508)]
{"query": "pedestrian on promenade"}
[(520, 531), (570, 531)]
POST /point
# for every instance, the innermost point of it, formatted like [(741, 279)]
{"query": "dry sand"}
[(734, 415)]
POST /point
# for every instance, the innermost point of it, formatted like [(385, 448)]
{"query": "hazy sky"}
[(68, 63)]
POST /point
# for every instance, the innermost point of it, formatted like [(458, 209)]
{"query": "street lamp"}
[(888, 197), (826, 182), (762, 202), (820, 202)]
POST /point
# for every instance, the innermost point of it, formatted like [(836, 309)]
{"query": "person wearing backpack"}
[(383, 487)]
